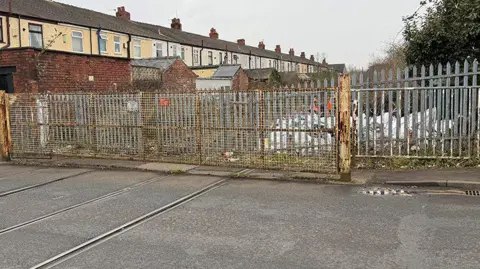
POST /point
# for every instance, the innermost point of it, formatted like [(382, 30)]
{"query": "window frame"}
[(115, 43), (174, 50), (106, 43), (137, 46), (35, 32), (81, 38), (210, 58), (235, 59), (1, 30), (182, 53), (196, 57)]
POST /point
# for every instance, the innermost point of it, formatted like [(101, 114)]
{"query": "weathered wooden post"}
[(5, 131), (343, 128)]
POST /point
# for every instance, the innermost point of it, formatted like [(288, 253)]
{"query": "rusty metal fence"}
[(289, 129)]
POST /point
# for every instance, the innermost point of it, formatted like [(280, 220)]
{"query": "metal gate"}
[(288, 129)]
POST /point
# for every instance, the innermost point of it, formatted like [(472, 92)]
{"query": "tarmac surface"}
[(234, 224)]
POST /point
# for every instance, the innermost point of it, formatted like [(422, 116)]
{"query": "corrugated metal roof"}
[(226, 71), (160, 63)]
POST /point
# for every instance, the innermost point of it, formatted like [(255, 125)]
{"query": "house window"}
[(195, 57), (158, 50), (116, 42), (77, 41), (1, 30), (35, 35), (235, 59), (221, 58), (210, 58), (137, 48), (174, 50), (270, 63), (103, 43), (182, 53)]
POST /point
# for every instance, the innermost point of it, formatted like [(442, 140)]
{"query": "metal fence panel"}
[(290, 129)]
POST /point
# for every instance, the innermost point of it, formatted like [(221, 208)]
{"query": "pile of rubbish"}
[(297, 133)]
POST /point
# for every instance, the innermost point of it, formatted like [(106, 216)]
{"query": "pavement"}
[(463, 178), (240, 224)]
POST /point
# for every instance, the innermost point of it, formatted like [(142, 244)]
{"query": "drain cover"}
[(472, 193)]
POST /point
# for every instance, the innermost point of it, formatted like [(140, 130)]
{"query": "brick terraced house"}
[(59, 47)]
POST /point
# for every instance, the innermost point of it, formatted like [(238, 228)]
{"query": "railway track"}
[(88, 202), (66, 255), (10, 192)]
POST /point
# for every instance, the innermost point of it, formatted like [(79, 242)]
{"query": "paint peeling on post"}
[(5, 132), (344, 130)]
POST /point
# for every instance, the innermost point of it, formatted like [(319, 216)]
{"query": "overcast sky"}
[(346, 31)]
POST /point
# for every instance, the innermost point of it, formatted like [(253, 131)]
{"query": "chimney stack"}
[(213, 33), (291, 52), (312, 58), (122, 13), (176, 24), (261, 45), (302, 54), (278, 49), (241, 42)]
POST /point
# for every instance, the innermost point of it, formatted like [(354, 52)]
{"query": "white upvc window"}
[(137, 48), (174, 50), (158, 50), (117, 45), (77, 41), (103, 43), (210, 58), (196, 57)]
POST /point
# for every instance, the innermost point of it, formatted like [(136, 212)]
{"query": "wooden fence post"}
[(5, 131), (344, 131)]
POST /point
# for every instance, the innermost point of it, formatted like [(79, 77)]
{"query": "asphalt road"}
[(241, 224)]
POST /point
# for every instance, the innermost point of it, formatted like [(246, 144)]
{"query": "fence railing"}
[(290, 129), (430, 112)]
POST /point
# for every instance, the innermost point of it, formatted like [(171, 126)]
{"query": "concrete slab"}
[(39, 176), (33, 203), (166, 167), (267, 224), (38, 242), (7, 170)]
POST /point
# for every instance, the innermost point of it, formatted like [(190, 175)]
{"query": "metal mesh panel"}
[(274, 129)]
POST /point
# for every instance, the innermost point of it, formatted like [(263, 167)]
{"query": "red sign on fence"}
[(164, 102)]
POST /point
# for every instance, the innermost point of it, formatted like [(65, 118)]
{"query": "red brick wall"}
[(59, 71), (179, 77), (240, 81)]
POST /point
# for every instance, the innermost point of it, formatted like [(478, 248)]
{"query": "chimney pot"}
[(261, 45), (122, 13), (302, 54), (278, 49), (241, 42), (292, 52), (213, 33), (312, 58), (176, 24)]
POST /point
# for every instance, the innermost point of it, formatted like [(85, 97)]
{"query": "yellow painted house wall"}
[(60, 36), (146, 51), (110, 43), (205, 73)]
